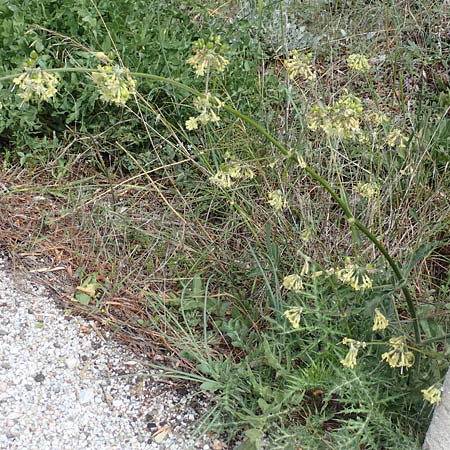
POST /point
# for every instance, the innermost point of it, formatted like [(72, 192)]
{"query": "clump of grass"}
[(289, 266)]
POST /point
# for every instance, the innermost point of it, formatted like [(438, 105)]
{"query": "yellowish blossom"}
[(350, 359), (115, 84), (221, 179), (398, 356), (355, 276), (207, 56), (367, 190), (432, 394), (191, 123), (379, 322), (339, 120), (306, 267), (294, 315), (36, 84), (396, 139), (293, 283), (299, 66), (206, 105), (277, 200), (231, 171), (358, 63)]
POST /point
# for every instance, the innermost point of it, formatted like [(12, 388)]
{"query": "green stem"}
[(312, 173)]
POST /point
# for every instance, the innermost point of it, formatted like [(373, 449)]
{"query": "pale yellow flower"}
[(221, 179), (350, 359), (191, 123), (230, 171), (293, 283), (299, 66), (397, 139), (306, 267), (294, 315), (367, 190), (358, 63), (277, 200), (343, 119), (355, 276), (207, 56), (36, 84), (206, 105), (432, 394), (301, 162), (379, 322), (398, 356), (115, 84)]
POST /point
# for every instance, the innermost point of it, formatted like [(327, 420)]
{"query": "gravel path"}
[(64, 388)]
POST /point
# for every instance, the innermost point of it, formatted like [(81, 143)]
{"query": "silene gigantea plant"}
[(343, 119)]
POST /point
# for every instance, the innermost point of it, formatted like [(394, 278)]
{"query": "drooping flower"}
[(115, 84), (294, 315), (398, 356), (207, 56), (396, 139), (299, 66), (355, 276), (277, 200), (432, 394), (293, 283), (231, 171), (358, 63), (206, 105), (379, 322), (350, 359), (36, 84)]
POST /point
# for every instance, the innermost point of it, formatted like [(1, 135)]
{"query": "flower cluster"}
[(367, 190), (339, 120), (396, 139), (206, 105), (398, 356), (432, 394), (358, 63), (231, 171), (299, 65), (114, 83), (294, 315), (36, 84), (350, 359), (207, 56), (277, 200), (293, 283), (379, 322), (355, 276)]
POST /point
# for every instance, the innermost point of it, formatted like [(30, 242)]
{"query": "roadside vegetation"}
[(254, 194)]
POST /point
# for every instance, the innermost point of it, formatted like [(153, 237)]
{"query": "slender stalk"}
[(312, 173)]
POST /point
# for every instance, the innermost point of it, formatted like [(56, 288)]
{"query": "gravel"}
[(62, 387)]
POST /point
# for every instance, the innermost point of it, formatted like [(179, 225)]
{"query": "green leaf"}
[(82, 298), (211, 386)]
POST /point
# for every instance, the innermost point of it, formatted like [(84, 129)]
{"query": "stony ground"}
[(65, 386)]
